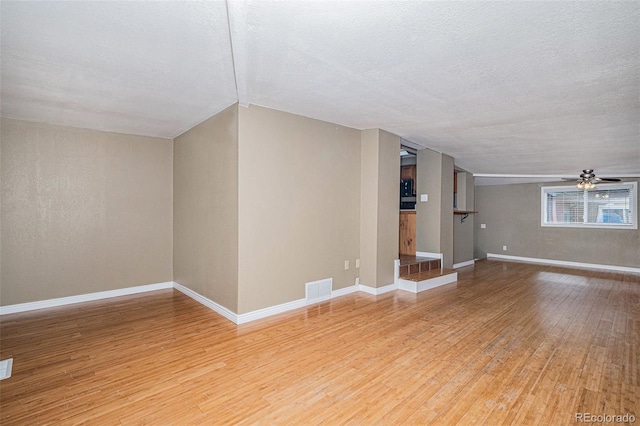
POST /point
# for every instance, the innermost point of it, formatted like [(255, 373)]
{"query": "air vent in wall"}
[(5, 368), (317, 291)]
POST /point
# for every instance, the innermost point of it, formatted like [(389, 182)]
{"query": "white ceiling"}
[(146, 68), (504, 87)]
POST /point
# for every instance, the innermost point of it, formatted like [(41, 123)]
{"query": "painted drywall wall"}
[(299, 205), (446, 211), (379, 216), (434, 218), (369, 175), (512, 215), (428, 214), (463, 232), (206, 208), (388, 212), (82, 211)]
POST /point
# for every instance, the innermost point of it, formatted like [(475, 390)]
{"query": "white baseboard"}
[(376, 291), (260, 313), (429, 254), (344, 291), (406, 285), (62, 301), (216, 307), (284, 307), (417, 287), (437, 281), (563, 263), (272, 310), (289, 306), (463, 264)]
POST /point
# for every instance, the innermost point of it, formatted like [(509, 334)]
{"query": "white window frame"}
[(633, 186)]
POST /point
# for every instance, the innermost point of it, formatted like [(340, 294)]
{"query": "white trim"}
[(437, 281), (272, 310), (633, 194), (376, 291), (463, 264), (289, 306), (216, 307), (260, 313), (406, 285), (417, 287), (429, 254), (563, 263), (344, 291), (62, 301)]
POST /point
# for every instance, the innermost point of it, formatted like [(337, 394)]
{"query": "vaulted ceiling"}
[(504, 87)]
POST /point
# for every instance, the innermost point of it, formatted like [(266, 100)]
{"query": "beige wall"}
[(388, 206), (446, 211), (434, 218), (206, 208), (82, 211), (244, 208), (512, 215), (299, 205), (379, 216), (428, 220), (369, 207), (463, 231)]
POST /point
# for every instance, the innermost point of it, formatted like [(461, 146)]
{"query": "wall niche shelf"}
[(464, 213)]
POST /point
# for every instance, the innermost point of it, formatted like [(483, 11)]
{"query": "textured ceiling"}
[(147, 68), (503, 87)]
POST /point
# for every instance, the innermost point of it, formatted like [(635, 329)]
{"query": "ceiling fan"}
[(588, 179)]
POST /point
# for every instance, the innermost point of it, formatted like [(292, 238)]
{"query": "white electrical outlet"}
[(357, 263), (483, 225), (504, 248), (424, 197), (346, 265)]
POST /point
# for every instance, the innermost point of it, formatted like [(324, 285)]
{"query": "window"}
[(606, 206)]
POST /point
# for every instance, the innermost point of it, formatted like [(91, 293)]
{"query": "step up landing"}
[(418, 274)]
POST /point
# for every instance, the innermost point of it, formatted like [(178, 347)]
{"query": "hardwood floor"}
[(508, 343)]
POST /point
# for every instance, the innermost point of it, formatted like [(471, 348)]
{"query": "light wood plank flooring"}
[(508, 343)]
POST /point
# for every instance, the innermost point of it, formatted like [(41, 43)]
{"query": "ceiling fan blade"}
[(569, 179), (608, 180)]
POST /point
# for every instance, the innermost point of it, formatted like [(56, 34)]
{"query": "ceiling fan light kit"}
[(588, 179), (585, 185)]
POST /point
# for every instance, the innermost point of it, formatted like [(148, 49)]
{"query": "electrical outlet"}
[(357, 263), (424, 198), (504, 248), (483, 225), (346, 265)]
